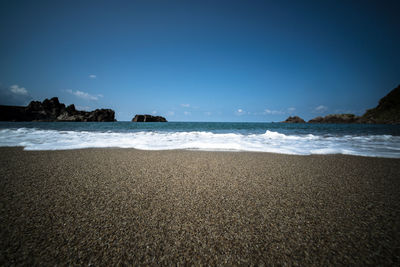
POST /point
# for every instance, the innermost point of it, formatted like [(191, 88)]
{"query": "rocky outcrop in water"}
[(336, 118), (148, 118), (294, 119), (53, 110)]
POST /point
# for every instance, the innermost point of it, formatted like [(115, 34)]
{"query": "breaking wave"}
[(270, 141)]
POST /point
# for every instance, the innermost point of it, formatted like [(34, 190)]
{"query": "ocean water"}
[(300, 139)]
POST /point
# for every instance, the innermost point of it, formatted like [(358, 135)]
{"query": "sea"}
[(298, 139)]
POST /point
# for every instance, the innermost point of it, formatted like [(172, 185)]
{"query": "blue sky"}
[(201, 60)]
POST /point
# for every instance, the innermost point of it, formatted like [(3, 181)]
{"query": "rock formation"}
[(387, 111), (148, 118), (294, 119), (336, 118), (53, 110)]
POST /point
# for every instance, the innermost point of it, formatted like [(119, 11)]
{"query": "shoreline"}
[(109, 206), (22, 148)]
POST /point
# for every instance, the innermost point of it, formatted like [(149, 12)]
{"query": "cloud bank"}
[(321, 108), (18, 90), (84, 95), (273, 112)]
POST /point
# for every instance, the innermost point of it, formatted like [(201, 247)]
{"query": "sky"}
[(255, 61)]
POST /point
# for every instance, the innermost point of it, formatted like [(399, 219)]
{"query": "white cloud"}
[(187, 113), (92, 76), (171, 113), (208, 113), (86, 108), (277, 112), (272, 112), (84, 95), (185, 105), (14, 95), (18, 90), (321, 108), (154, 112), (240, 112), (350, 111)]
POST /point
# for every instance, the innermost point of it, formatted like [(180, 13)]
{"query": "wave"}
[(270, 141)]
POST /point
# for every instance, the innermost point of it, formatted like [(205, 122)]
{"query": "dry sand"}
[(124, 206)]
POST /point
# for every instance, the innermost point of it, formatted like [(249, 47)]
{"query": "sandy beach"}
[(126, 206)]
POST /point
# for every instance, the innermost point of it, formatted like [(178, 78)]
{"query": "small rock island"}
[(148, 118), (53, 110), (294, 119)]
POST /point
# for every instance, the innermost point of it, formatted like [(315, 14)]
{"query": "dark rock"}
[(101, 115), (71, 109), (148, 118), (12, 113), (48, 110), (387, 111), (336, 118), (53, 110), (294, 119)]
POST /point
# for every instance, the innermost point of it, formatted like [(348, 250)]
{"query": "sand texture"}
[(107, 207)]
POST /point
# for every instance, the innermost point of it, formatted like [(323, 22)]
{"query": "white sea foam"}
[(270, 141)]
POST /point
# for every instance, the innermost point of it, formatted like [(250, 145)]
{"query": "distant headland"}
[(53, 110), (387, 112)]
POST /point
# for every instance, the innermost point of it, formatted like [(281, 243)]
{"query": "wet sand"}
[(126, 206)]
